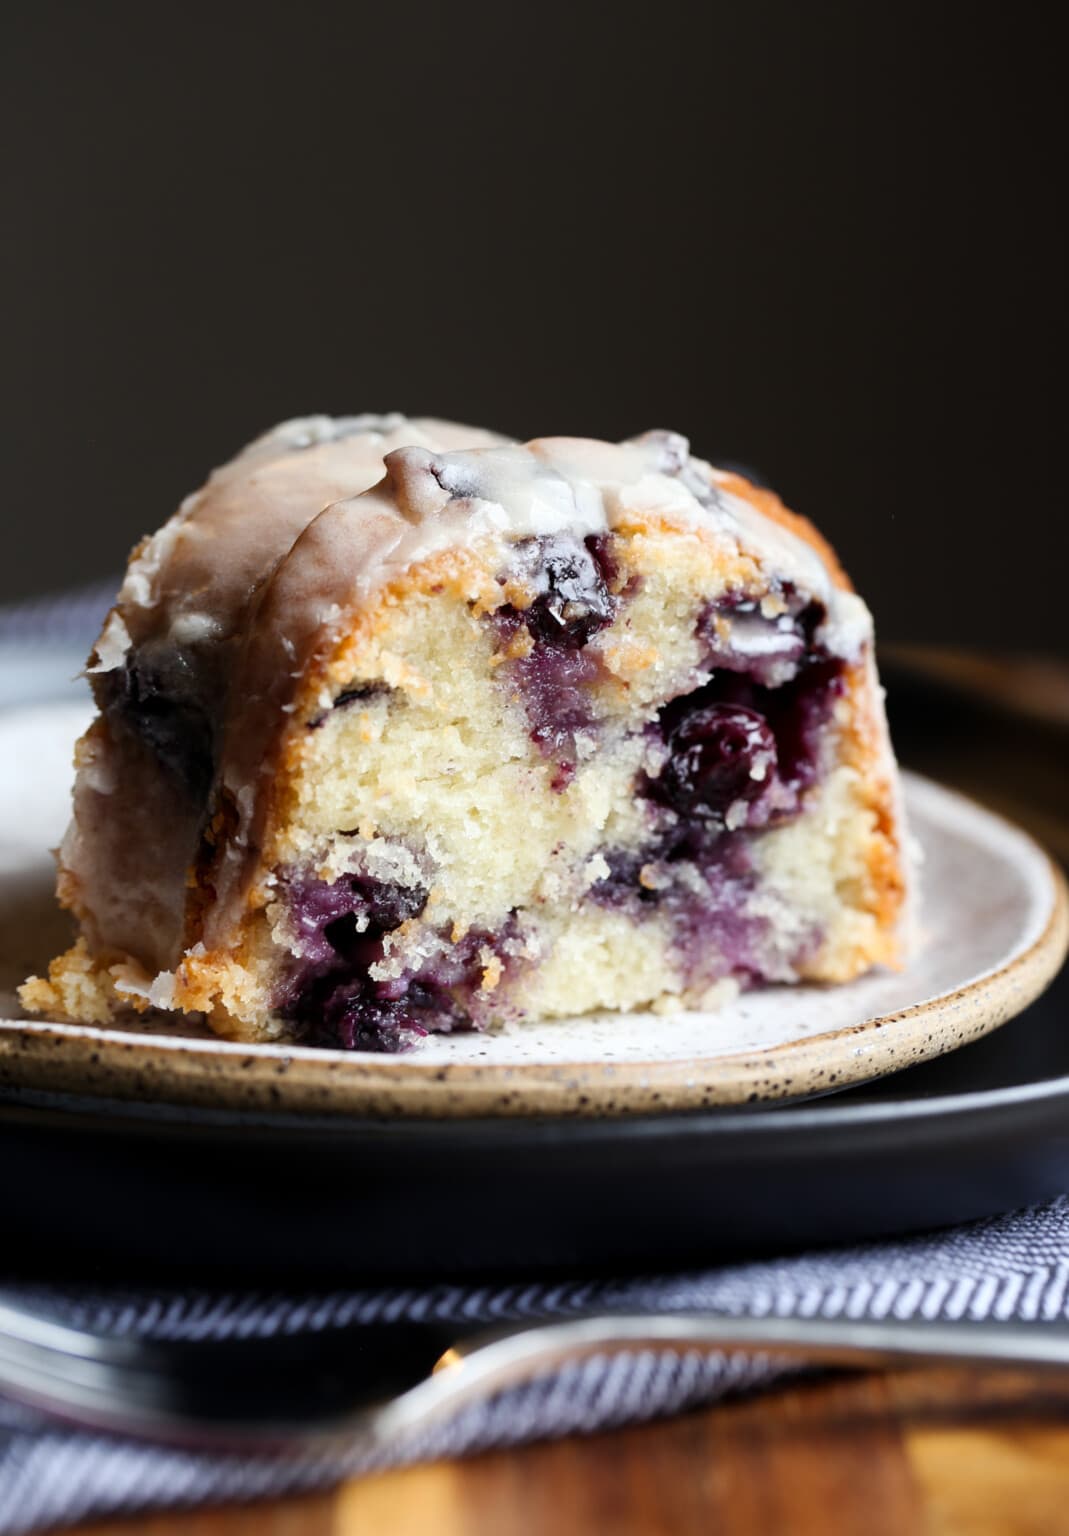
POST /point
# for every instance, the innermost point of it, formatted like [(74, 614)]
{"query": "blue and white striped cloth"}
[(69, 620), (1014, 1266), (44, 643)]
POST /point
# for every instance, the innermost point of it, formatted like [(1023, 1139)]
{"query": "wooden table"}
[(918, 1453), (913, 1453)]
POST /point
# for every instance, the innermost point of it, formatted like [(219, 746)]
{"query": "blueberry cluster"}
[(330, 996)]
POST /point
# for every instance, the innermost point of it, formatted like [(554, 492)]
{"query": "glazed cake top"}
[(192, 580), (224, 609), (306, 507)]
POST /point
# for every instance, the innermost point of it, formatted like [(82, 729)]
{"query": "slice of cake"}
[(403, 727)]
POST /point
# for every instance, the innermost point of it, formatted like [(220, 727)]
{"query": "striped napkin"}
[(1010, 1267)]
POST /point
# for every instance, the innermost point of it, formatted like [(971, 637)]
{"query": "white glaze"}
[(260, 572)]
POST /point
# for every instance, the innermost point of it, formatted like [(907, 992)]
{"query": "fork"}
[(311, 1393)]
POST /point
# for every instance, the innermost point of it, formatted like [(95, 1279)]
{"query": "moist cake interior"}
[(610, 790)]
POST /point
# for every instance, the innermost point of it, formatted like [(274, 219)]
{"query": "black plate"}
[(126, 1188)]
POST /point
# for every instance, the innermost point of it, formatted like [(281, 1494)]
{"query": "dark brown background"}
[(821, 238)]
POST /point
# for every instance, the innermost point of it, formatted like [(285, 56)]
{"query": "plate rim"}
[(813, 1114), (130, 1064)]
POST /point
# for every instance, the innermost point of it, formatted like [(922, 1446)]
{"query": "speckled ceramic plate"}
[(993, 927)]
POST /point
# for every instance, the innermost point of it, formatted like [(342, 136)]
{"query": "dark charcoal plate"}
[(123, 1187)]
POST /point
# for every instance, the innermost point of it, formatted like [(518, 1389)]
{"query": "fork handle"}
[(490, 1361)]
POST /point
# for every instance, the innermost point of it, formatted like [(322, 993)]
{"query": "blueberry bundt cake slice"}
[(404, 728)]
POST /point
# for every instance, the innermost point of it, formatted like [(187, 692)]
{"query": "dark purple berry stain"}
[(359, 1015), (721, 754), (742, 755), (774, 671), (349, 915), (152, 695), (329, 995), (554, 685), (359, 693), (739, 637), (741, 752), (563, 774), (572, 602), (569, 581), (714, 932), (796, 712), (721, 925)]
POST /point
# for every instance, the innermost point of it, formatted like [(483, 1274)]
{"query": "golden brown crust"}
[(79, 986), (768, 503), (866, 750)]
